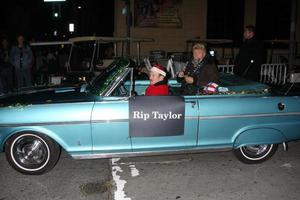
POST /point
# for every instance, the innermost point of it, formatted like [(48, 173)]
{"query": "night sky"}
[(34, 18)]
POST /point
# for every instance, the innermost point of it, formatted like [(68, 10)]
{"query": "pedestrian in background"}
[(21, 58), (6, 69), (251, 55)]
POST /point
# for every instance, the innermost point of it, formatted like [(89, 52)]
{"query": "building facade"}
[(171, 27)]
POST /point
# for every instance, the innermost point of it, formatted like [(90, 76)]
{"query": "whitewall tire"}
[(31, 153), (253, 154)]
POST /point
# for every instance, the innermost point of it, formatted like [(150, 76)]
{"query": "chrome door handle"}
[(281, 106), (192, 102)]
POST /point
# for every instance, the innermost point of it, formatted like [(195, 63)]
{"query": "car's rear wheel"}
[(253, 154), (32, 153)]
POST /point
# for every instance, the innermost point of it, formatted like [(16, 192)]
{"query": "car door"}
[(248, 119), (109, 124), (222, 118), (186, 138), (216, 126)]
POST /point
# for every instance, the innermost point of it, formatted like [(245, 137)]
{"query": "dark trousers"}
[(6, 78), (23, 77)]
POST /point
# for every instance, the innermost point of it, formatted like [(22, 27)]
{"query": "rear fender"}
[(257, 136)]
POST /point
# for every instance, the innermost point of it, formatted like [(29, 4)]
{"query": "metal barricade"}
[(175, 66), (147, 63), (275, 74), (228, 69)]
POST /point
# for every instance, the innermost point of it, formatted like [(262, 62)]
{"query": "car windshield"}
[(109, 76)]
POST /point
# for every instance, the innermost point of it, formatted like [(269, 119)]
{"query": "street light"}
[(55, 14), (56, 11), (56, 8)]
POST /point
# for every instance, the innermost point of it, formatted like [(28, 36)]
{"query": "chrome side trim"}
[(123, 99), (109, 120), (249, 116), (148, 153), (72, 122), (126, 120), (44, 123), (191, 117)]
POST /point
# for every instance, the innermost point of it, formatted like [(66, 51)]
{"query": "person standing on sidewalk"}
[(250, 56), (6, 69), (21, 57)]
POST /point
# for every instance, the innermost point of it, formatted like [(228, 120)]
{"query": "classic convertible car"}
[(110, 117)]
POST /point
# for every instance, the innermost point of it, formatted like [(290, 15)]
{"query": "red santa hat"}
[(159, 69)]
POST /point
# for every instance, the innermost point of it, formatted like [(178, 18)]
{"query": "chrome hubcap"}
[(255, 150), (30, 151)]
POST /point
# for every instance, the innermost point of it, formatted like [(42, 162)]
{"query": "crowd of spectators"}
[(16, 62), (22, 66)]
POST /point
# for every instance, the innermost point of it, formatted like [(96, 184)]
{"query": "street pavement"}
[(207, 176), (211, 176), (69, 180)]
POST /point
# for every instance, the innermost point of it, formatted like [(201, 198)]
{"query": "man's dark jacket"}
[(203, 72), (251, 49)]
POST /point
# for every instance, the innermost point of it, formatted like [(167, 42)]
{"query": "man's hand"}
[(189, 79), (180, 74)]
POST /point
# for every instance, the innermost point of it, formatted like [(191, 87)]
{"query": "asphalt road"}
[(207, 176), (69, 180)]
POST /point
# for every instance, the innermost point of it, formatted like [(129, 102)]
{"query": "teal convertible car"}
[(111, 117)]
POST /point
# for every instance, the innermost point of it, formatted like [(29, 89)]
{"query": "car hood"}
[(46, 95)]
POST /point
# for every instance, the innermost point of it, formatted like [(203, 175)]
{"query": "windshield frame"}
[(112, 77)]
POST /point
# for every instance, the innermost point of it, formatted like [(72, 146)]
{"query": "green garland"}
[(18, 106), (263, 91)]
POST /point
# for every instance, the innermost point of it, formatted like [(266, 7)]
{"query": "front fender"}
[(35, 130), (69, 142), (257, 136)]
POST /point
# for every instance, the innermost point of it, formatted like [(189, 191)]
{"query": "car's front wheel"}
[(31, 153), (253, 154)]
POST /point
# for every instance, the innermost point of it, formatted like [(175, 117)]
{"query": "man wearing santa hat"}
[(158, 81)]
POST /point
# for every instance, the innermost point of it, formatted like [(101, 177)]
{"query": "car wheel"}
[(253, 154), (31, 153)]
